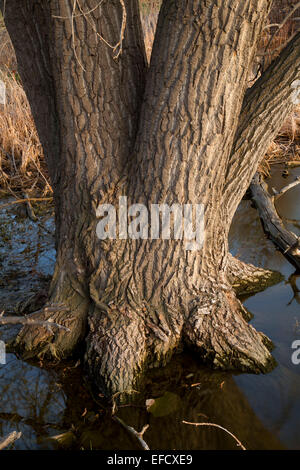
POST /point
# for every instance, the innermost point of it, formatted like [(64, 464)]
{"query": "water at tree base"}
[(54, 409)]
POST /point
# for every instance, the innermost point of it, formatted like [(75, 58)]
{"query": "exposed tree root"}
[(124, 341), (248, 279), (126, 337), (225, 339), (116, 348), (35, 341)]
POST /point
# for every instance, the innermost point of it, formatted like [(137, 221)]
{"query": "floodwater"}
[(54, 409)]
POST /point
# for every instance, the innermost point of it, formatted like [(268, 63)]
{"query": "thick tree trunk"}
[(86, 106), (105, 137)]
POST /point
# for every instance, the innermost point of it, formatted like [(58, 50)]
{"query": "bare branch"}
[(20, 201), (117, 48), (220, 427), (284, 239), (30, 321), (136, 434), (10, 439), (280, 26), (278, 194)]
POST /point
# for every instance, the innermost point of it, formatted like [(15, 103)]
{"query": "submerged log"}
[(285, 240)]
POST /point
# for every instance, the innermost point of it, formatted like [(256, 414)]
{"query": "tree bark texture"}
[(184, 130)]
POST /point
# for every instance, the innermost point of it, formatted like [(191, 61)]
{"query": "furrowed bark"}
[(265, 108), (146, 297), (195, 87), (86, 108)]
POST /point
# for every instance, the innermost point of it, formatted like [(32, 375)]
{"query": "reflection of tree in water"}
[(216, 399), (203, 396), (292, 280), (31, 402), (43, 403)]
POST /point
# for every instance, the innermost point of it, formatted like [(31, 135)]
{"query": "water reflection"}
[(292, 280), (275, 396), (44, 403)]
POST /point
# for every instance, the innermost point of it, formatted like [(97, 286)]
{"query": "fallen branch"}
[(137, 435), (10, 439), (284, 239), (29, 320), (219, 427), (278, 194), (293, 164), (22, 201)]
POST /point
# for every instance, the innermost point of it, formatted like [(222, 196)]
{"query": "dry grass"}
[(149, 14), (286, 146), (22, 166)]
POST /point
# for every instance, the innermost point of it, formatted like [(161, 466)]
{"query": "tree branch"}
[(284, 239), (278, 194), (266, 106), (219, 427), (246, 278), (131, 430), (29, 320), (10, 439)]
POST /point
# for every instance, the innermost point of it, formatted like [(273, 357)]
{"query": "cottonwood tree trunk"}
[(184, 130)]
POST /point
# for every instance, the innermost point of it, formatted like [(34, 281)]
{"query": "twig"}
[(117, 48), (137, 435), (278, 194), (280, 26), (28, 320), (272, 223), (293, 164), (220, 427), (122, 32), (10, 439), (20, 201)]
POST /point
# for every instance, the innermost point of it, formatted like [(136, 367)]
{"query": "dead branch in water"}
[(219, 427), (136, 434), (284, 239), (26, 200), (29, 320), (278, 194), (10, 439)]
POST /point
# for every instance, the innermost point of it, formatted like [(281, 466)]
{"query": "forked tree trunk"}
[(190, 136)]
